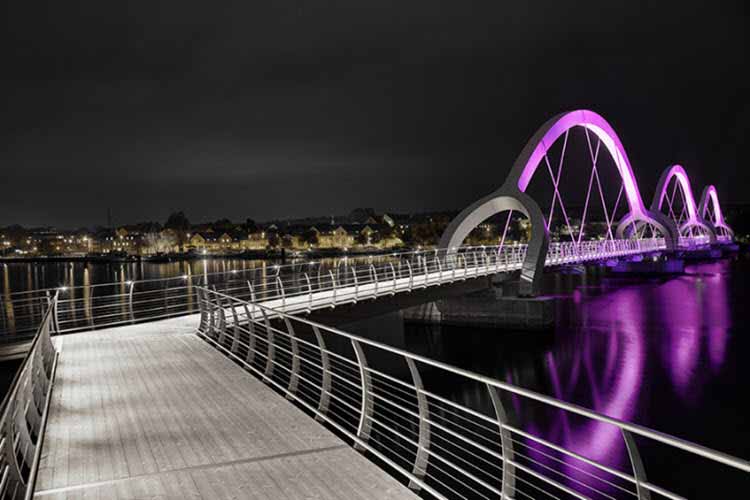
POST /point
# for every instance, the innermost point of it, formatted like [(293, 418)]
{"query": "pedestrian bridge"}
[(217, 386)]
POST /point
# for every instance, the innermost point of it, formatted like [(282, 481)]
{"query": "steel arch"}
[(694, 218), (710, 195), (511, 195)]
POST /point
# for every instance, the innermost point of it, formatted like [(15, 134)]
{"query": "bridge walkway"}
[(151, 411)]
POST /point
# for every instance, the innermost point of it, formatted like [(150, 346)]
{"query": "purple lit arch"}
[(688, 219), (512, 194), (710, 210)]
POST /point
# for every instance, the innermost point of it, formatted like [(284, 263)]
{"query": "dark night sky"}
[(285, 109)]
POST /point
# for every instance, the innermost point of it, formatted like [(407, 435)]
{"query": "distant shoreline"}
[(166, 258)]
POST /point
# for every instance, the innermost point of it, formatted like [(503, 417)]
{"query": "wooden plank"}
[(152, 411)]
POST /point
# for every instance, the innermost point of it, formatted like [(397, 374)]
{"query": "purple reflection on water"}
[(608, 365), (614, 393), (682, 318), (716, 312)]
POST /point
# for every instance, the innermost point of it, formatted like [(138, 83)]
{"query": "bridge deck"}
[(151, 411)]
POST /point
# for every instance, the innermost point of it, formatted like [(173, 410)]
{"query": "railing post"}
[(56, 313), (366, 409), (131, 286), (250, 356), (426, 270), (270, 348), (393, 271), (509, 480), (423, 450), (215, 313), (47, 298), (374, 278), (235, 328), (325, 388), (356, 283), (333, 280), (252, 291), (639, 472), (280, 286), (309, 293), (294, 375), (440, 268), (222, 318), (203, 324), (411, 276)]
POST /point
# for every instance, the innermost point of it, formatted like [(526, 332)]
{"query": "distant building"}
[(205, 241), (334, 237), (255, 241)]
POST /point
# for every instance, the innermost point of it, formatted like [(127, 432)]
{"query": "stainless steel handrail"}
[(24, 412), (442, 446)]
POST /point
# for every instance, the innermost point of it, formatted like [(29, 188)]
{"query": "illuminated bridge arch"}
[(683, 210), (710, 210), (512, 194)]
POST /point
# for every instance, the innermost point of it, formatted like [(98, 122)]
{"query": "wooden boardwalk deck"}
[(150, 411)]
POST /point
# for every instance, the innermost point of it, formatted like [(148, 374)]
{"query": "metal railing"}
[(24, 412), (693, 241), (300, 286), (402, 409)]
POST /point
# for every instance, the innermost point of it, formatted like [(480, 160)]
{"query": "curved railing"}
[(24, 412), (401, 408), (303, 286)]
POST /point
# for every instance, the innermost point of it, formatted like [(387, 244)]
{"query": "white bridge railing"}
[(693, 241), (298, 286), (402, 409), (24, 410)]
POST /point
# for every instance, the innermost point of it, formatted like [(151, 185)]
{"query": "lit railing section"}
[(574, 253), (393, 404), (24, 412), (693, 241), (300, 286), (310, 289)]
